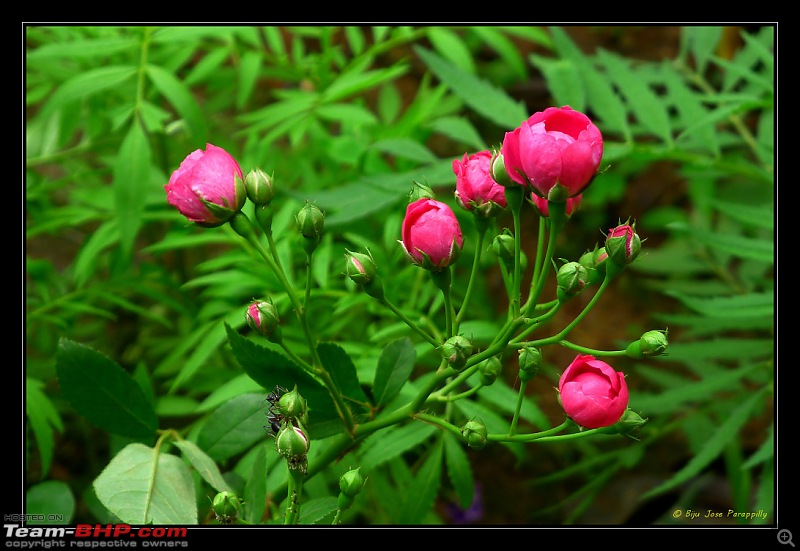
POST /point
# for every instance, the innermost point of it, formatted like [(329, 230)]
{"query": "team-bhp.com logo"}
[(87, 535)]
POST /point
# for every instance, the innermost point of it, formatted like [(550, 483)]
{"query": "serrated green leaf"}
[(691, 110), (249, 69), (460, 130), (131, 182), (53, 500), (355, 81), (234, 427), (180, 96), (712, 449), (701, 41), (406, 148), (459, 469), (255, 490), (508, 51), (395, 365), (491, 102), (102, 392), (390, 443), (421, 494), (143, 486), (337, 362), (87, 84), (318, 510), (203, 464)]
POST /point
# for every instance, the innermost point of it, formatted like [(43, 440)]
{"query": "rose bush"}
[(555, 153), (208, 187), (592, 393)]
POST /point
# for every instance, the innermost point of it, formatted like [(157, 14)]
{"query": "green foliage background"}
[(127, 304)]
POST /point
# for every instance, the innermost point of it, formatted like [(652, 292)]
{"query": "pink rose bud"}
[(541, 204), (262, 316), (556, 153), (476, 190), (623, 244), (207, 188), (431, 234), (592, 393)]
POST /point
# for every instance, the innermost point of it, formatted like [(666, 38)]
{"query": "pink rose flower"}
[(555, 147), (431, 234), (592, 393), (208, 187), (475, 188), (541, 204), (623, 244)]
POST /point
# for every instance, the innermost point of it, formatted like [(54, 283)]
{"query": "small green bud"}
[(499, 173), (571, 279), (420, 191), (475, 434), (503, 246), (629, 422), (351, 482), (530, 359), (489, 370), (360, 268), (227, 507), (310, 221), (291, 442), (456, 351), (259, 187), (292, 404), (652, 343)]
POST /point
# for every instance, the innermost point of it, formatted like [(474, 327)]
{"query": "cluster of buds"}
[(288, 415)]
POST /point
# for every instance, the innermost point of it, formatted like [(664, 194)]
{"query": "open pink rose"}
[(208, 187), (592, 393), (557, 146), (431, 234), (476, 190)]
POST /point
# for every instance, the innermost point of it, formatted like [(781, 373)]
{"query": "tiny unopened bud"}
[(360, 268), (259, 187), (651, 343), (456, 351), (292, 404), (227, 507), (571, 278), (475, 434), (530, 359), (629, 422), (310, 221), (420, 191), (503, 246), (351, 482), (489, 370), (595, 263)]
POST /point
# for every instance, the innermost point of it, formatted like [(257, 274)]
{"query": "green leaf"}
[(102, 392), (249, 69), (762, 216), (487, 100), (765, 452), (255, 489), (131, 182), (745, 306), (181, 98), (737, 245), (649, 109), (460, 130), (459, 470), (234, 427), (712, 449), (391, 442), (508, 51), (53, 500), (82, 49), (270, 369), (87, 260), (563, 80), (419, 497), (395, 365), (450, 46), (87, 84), (702, 42), (337, 362), (406, 148), (142, 486), (203, 464), (43, 418), (355, 81), (317, 510), (346, 113)]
